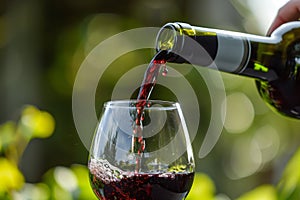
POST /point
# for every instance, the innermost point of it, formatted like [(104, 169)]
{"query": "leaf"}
[(35, 123), (85, 190), (202, 188), (10, 176), (289, 185), (7, 135), (264, 192), (38, 191)]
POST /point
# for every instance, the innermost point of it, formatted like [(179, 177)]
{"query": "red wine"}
[(141, 186), (150, 77), (146, 88)]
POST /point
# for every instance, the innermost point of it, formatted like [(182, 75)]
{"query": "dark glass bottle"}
[(273, 61)]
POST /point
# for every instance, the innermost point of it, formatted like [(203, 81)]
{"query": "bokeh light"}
[(245, 159), (268, 141), (240, 113)]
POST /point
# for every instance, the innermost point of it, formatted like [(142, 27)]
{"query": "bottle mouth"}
[(171, 37), (167, 37)]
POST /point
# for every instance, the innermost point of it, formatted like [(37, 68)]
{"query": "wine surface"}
[(111, 183)]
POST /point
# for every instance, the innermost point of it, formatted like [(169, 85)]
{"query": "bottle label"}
[(232, 54)]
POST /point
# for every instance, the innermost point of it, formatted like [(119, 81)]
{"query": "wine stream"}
[(157, 63)]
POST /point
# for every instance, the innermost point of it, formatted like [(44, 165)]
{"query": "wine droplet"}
[(164, 70)]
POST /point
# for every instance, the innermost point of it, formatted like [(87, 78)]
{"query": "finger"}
[(289, 12)]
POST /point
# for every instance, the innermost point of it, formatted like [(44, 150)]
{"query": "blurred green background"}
[(43, 43)]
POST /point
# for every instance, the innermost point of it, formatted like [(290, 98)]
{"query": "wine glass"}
[(141, 151)]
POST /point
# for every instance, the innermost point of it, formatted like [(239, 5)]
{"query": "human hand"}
[(289, 12)]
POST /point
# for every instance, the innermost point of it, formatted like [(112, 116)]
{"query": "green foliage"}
[(58, 183), (68, 183), (203, 187), (14, 137), (289, 185), (10, 177), (264, 192)]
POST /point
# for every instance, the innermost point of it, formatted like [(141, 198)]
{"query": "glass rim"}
[(127, 103)]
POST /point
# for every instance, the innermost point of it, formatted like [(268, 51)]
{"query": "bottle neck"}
[(225, 51)]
